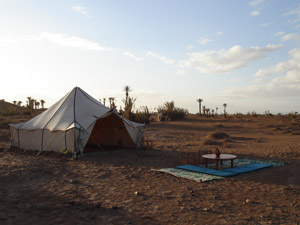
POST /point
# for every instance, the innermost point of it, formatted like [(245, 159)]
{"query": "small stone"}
[(98, 205), (207, 209), (247, 200), (136, 193)]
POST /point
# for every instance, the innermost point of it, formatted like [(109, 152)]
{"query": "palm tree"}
[(203, 110), (28, 101), (199, 100), (15, 102), (217, 110), (110, 101), (170, 106), (37, 104), (19, 103), (212, 112), (225, 109), (113, 102), (127, 90), (42, 102), (104, 99), (33, 101)]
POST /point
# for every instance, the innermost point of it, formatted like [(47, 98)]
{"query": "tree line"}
[(209, 112), (31, 103)]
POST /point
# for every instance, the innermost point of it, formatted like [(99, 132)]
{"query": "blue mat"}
[(198, 169), (226, 172), (248, 168)]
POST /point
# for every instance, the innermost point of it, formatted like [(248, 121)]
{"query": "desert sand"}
[(119, 187)]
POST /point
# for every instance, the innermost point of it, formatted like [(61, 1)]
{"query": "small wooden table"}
[(220, 158)]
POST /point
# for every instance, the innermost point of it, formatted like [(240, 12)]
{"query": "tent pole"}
[(42, 143), (18, 138), (66, 140), (75, 142)]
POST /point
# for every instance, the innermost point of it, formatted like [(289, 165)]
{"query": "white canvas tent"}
[(72, 123)]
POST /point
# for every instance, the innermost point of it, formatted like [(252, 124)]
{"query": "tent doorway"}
[(109, 133)]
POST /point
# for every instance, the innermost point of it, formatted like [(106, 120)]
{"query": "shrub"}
[(173, 113), (143, 115)]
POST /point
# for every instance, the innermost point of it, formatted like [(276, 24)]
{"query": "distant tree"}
[(112, 104), (42, 102), (217, 110), (203, 110), (15, 102), (19, 103), (33, 101), (127, 90), (212, 112), (30, 103), (199, 100), (104, 99), (225, 105), (208, 112), (129, 106), (37, 104), (173, 113), (170, 106)]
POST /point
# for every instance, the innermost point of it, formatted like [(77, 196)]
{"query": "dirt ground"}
[(118, 187)]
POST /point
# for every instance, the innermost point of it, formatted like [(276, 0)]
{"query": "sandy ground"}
[(118, 187)]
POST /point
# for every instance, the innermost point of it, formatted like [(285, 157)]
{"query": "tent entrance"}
[(109, 133)]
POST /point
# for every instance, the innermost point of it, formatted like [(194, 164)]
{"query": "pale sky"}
[(243, 53)]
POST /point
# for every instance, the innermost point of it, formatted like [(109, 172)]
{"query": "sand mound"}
[(218, 136)]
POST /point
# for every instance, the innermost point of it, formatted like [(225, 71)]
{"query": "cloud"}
[(279, 33), (285, 83), (255, 13), (256, 3), (190, 47), (71, 41), (224, 61), (180, 72), (129, 54), (266, 24), (159, 57), (204, 41), (219, 33), (289, 37), (293, 64), (294, 12), (81, 10)]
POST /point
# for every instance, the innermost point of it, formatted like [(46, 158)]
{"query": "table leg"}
[(206, 162), (217, 164), (231, 163)]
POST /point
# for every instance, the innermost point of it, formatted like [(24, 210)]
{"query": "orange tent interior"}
[(109, 133)]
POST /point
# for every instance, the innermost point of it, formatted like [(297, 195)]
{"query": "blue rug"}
[(248, 168), (226, 172), (199, 169), (240, 166)]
